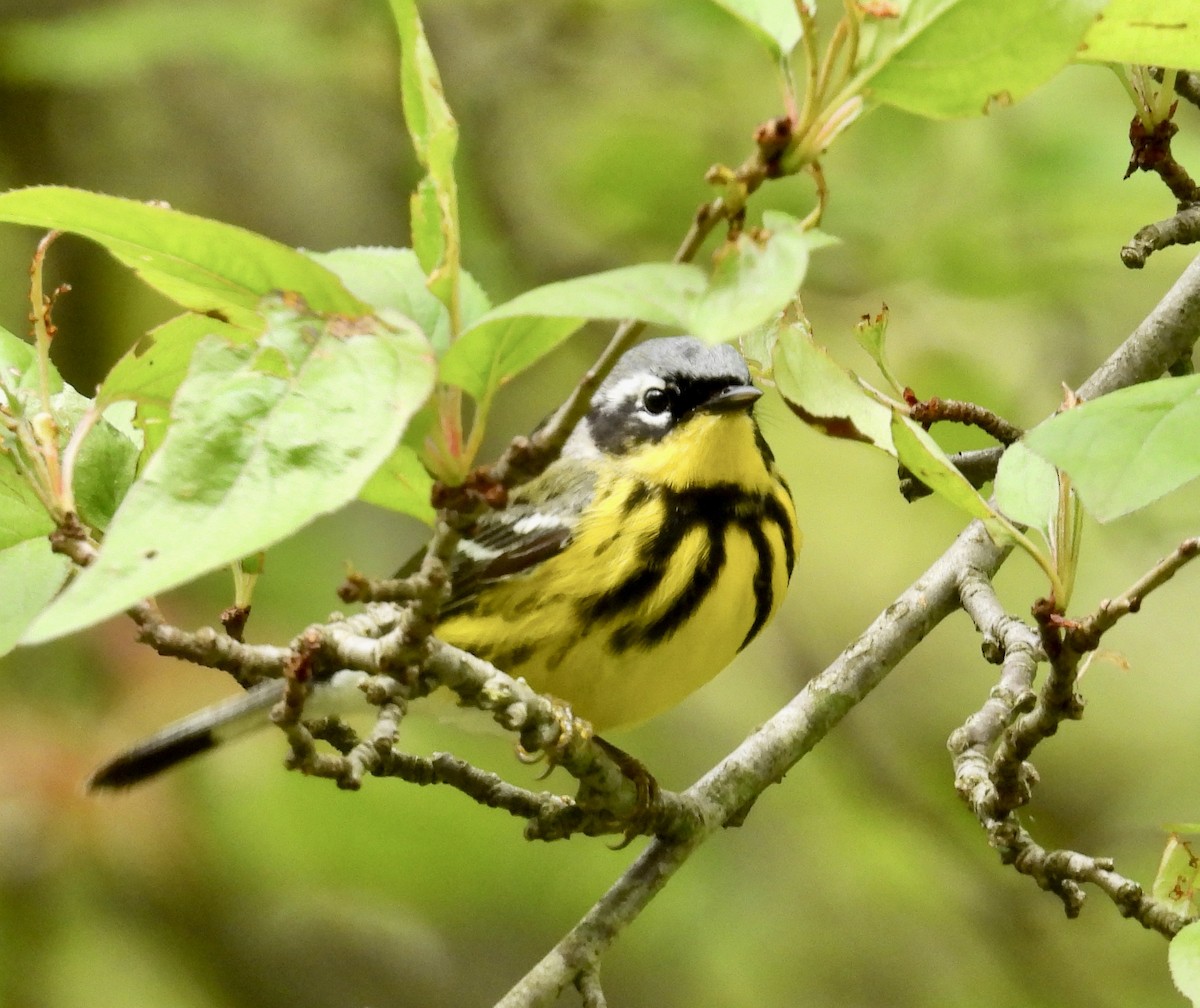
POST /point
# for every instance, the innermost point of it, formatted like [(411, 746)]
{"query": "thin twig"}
[(482, 786), (1181, 229), (969, 414), (1065, 872), (545, 726), (1187, 85), (1086, 634)]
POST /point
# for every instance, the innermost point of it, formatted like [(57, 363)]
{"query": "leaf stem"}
[(812, 64), (39, 307), (71, 453)]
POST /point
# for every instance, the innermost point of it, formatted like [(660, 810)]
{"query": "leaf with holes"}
[(263, 439)]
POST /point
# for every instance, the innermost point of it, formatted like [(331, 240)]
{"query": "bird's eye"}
[(656, 401)]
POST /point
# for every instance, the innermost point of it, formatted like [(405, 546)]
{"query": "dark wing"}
[(537, 524)]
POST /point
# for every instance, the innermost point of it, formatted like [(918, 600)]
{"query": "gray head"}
[(657, 386)]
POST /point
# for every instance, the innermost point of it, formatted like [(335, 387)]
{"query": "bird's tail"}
[(189, 737)]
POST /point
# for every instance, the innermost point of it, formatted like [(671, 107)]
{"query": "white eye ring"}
[(656, 401)]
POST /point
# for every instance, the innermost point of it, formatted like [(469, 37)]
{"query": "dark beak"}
[(731, 399)]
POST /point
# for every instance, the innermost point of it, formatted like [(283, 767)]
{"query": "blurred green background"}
[(587, 128)]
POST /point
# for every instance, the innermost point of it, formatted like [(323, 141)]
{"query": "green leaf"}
[(263, 439), (752, 281), (659, 293), (825, 396), (1027, 488), (18, 365), (871, 334), (22, 514), (151, 371), (435, 139), (402, 484), (392, 278), (1175, 881), (924, 458), (491, 352), (104, 471), (201, 264), (520, 332), (774, 21), (1163, 33), (427, 224), (16, 358), (1126, 449), (946, 58), (1183, 957), (32, 574)]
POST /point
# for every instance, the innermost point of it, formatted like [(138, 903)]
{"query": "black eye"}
[(656, 400)]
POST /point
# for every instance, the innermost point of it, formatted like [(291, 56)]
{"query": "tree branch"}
[(724, 794), (994, 785), (730, 788)]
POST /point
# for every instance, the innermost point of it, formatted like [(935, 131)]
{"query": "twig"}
[(969, 414), (1086, 634), (1152, 152), (1163, 338), (993, 787), (991, 749), (482, 786), (1064, 872), (1166, 334), (364, 757), (1187, 85), (526, 457), (605, 789), (247, 663), (978, 466), (401, 665), (1150, 133), (1182, 229)]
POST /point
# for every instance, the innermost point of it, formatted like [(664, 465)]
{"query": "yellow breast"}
[(678, 561)]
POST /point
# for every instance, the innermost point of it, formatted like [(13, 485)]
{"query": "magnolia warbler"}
[(623, 578)]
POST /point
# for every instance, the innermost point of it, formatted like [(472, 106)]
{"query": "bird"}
[(624, 577)]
